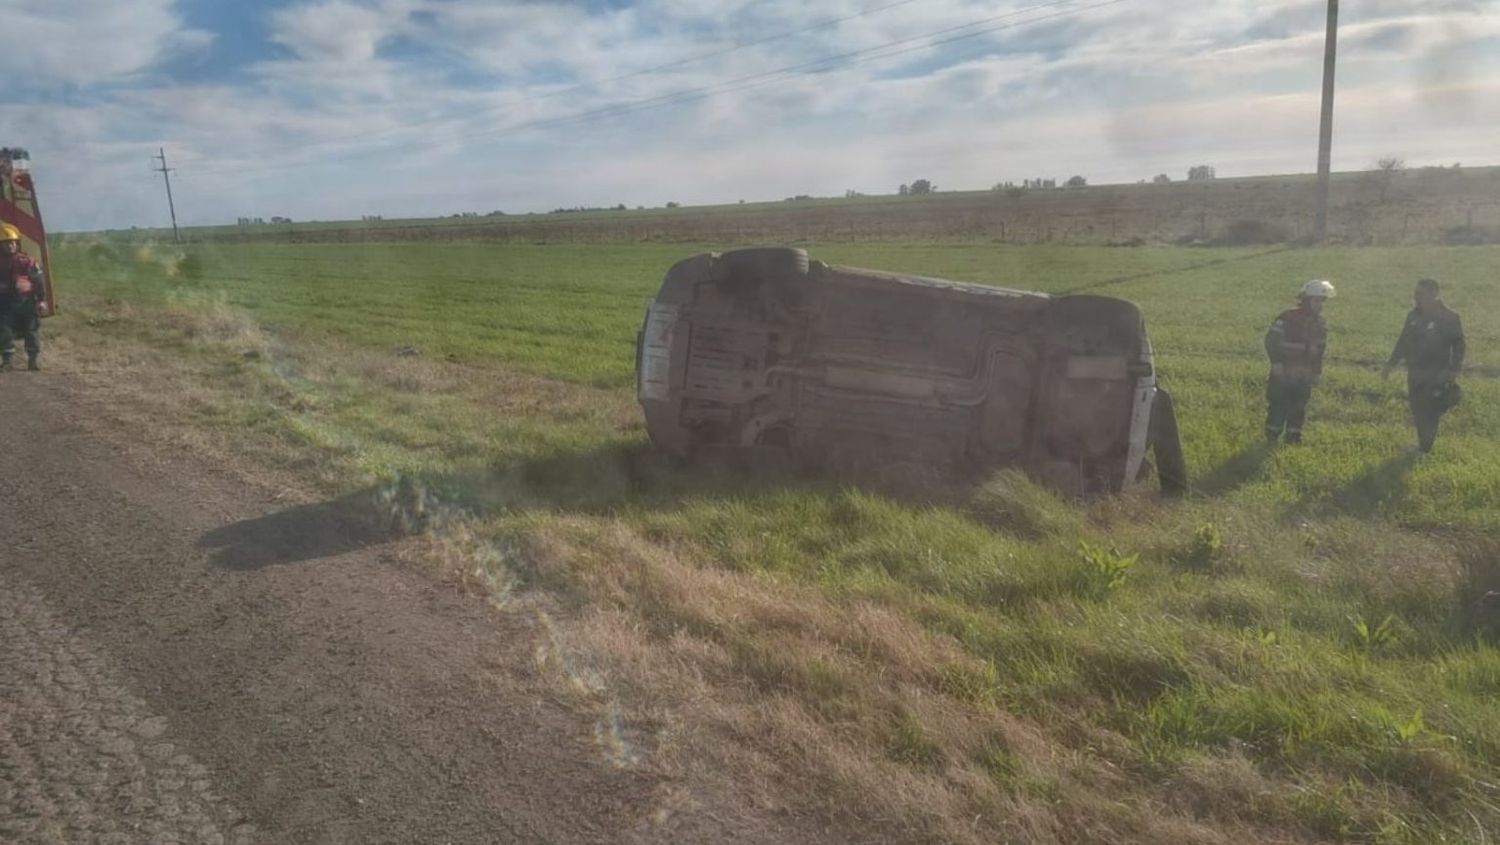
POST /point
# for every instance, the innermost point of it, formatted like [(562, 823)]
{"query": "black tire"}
[(1166, 446), (760, 264)]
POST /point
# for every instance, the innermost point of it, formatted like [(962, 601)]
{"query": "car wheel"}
[(1166, 446), (760, 264)]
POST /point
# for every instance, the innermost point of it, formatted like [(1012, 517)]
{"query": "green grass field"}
[(1291, 653)]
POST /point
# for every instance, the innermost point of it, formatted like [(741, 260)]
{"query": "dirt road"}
[(183, 659)]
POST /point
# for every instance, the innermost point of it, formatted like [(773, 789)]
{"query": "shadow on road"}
[(301, 534)]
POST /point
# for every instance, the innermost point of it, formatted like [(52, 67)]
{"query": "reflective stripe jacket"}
[(21, 278), (1297, 340)]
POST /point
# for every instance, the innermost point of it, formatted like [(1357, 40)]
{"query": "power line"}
[(982, 26)]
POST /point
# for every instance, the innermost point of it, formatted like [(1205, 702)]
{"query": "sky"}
[(335, 109)]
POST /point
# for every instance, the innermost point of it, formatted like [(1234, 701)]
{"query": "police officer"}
[(1295, 343), (1432, 345), (23, 296)]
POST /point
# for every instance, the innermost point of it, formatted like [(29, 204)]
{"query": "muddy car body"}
[(850, 370)]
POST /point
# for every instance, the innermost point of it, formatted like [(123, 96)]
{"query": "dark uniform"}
[(1432, 345), (22, 287), (1295, 343)]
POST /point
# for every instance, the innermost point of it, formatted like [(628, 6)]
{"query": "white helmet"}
[(1321, 288)]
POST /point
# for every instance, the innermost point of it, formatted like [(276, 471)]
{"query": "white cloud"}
[(78, 42), (347, 124), (338, 31), (1398, 37), (513, 38)]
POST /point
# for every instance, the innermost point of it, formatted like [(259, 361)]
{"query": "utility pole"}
[(1325, 131), (166, 173)]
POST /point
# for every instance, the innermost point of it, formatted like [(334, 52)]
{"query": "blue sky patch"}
[(241, 39)]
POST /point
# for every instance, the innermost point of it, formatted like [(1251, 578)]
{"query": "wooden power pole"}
[(166, 173), (1325, 131)]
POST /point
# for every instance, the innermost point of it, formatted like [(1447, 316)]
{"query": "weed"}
[(1410, 729), (1205, 551), (1371, 639), (1208, 542), (1104, 569)]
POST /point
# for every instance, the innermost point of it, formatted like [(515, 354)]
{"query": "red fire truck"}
[(19, 208)]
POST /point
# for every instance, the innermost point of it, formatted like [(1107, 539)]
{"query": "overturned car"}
[(765, 353)]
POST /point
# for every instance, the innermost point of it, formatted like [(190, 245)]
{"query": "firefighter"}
[(1432, 345), (1295, 344), (23, 298)]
